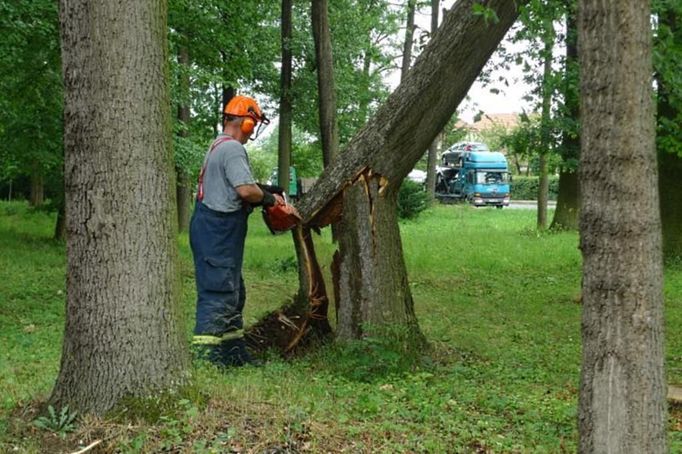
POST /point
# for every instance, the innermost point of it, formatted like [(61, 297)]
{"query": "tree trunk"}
[(183, 184), (37, 187), (543, 186), (60, 224), (123, 333), (329, 130), (568, 198), (432, 156), (409, 37), (622, 405), (373, 287), (669, 161), (285, 109)]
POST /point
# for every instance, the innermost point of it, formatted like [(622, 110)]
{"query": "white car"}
[(418, 176)]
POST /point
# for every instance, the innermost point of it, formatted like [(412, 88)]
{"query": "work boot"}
[(234, 353)]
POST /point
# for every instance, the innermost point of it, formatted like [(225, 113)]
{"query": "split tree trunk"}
[(123, 333), (622, 405), (365, 182)]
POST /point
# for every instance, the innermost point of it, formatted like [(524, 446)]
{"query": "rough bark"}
[(329, 130), (285, 112), (568, 198), (123, 333), (373, 287), (432, 155), (622, 405), (183, 184)]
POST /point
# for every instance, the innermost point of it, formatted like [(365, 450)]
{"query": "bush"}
[(526, 188), (412, 200)]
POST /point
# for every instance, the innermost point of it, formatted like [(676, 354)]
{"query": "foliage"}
[(30, 91), (526, 188), (412, 199), (61, 422), (502, 317)]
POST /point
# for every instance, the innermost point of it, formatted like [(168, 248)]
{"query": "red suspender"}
[(200, 191)]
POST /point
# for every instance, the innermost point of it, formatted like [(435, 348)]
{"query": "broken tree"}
[(360, 187)]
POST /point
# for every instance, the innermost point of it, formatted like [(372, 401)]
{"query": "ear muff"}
[(248, 125)]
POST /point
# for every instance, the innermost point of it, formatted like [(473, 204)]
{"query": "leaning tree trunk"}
[(365, 182), (568, 197), (622, 405), (123, 333), (183, 184)]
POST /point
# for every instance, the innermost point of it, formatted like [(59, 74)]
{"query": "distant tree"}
[(123, 334), (622, 406), (432, 153), (285, 101), (668, 65)]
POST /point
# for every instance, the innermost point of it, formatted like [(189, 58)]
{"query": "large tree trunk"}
[(285, 108), (669, 161), (183, 184), (373, 285), (622, 405), (432, 155), (568, 198), (329, 130), (123, 333)]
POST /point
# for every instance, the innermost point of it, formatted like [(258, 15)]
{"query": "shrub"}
[(526, 188), (412, 200)]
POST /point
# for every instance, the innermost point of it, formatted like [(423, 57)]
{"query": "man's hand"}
[(271, 188)]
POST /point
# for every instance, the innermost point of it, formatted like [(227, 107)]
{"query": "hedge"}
[(526, 188)]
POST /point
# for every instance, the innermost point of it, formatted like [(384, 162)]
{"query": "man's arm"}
[(252, 193)]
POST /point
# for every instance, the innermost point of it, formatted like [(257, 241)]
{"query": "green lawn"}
[(498, 302)]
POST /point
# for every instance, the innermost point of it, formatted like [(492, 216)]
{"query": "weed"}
[(60, 422)]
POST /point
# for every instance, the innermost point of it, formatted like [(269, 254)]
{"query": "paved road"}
[(529, 204)]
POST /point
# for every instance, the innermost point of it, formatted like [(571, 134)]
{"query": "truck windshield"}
[(490, 177)]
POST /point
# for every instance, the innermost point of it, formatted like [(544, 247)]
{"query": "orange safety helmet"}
[(243, 106)]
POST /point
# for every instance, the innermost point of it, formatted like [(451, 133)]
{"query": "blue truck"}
[(470, 172)]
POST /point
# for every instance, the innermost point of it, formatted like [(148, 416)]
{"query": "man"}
[(225, 195)]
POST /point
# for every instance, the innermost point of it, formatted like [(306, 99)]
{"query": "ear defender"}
[(248, 125)]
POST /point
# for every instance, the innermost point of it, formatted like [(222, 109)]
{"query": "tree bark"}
[(123, 333), (568, 198), (622, 405), (183, 185), (329, 130), (364, 184), (432, 156), (285, 108)]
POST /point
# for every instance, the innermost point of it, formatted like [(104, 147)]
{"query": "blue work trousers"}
[(217, 242)]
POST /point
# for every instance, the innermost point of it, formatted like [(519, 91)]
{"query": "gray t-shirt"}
[(227, 167)]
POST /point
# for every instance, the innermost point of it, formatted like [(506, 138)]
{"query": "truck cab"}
[(479, 177)]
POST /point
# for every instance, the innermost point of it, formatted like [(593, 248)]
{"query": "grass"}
[(498, 302)]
